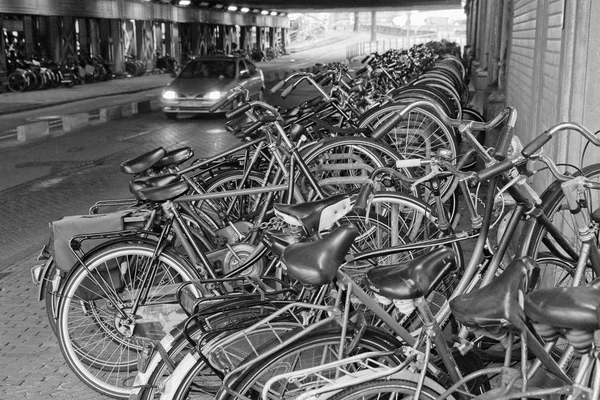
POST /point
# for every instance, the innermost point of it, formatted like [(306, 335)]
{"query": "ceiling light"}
[(219, 6), (204, 4), (244, 9), (264, 12), (282, 14), (273, 13), (232, 8), (184, 2)]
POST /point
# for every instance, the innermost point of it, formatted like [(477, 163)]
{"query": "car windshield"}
[(209, 69)]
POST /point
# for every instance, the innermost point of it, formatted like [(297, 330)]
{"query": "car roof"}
[(220, 57)]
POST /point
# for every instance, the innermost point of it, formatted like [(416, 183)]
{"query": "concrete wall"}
[(551, 69)]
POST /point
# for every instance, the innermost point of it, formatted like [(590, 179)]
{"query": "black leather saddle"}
[(164, 193), (137, 184), (175, 157), (142, 162), (414, 279), (309, 214), (316, 263), (496, 306)]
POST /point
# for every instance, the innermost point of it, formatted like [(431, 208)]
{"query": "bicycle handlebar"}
[(532, 147), (507, 112), (545, 137)]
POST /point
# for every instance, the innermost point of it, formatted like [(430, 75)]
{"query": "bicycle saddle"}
[(315, 215), (316, 263), (175, 157), (137, 184), (142, 162), (596, 215), (497, 304), (164, 193), (565, 307), (414, 279)]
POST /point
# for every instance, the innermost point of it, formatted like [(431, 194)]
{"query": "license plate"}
[(190, 103)]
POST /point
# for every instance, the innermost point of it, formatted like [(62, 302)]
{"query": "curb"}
[(68, 123)]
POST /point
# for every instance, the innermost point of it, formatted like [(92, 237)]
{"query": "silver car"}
[(205, 80)]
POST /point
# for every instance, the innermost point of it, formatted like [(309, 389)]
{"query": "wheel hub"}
[(238, 253)]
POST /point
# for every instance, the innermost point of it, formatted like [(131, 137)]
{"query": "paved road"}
[(46, 180)]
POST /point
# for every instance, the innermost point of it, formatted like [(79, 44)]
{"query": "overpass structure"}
[(59, 30)]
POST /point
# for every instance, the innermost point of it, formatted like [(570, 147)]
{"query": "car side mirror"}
[(244, 74)]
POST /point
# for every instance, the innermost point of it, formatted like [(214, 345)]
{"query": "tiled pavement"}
[(31, 366)]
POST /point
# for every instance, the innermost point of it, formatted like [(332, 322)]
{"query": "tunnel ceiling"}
[(291, 6)]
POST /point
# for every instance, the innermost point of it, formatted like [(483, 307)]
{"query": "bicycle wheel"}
[(420, 134), (341, 165), (98, 343), (385, 389), (17, 82), (206, 381), (311, 351), (395, 219), (535, 240)]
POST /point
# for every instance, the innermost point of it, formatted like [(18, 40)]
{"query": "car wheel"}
[(171, 115)]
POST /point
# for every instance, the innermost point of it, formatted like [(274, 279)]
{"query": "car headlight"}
[(169, 95), (213, 95)]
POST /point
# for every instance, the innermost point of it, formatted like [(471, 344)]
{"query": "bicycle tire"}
[(419, 135), (345, 159), (108, 367), (210, 382), (534, 239), (313, 350), (17, 82), (393, 389)]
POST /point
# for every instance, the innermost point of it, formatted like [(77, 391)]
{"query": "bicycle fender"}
[(404, 375), (45, 278)]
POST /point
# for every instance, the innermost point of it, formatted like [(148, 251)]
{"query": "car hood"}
[(195, 86)]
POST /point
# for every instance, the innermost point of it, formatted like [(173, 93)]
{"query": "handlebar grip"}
[(365, 59), (238, 111), (267, 118), (252, 128), (363, 197), (496, 169), (361, 70), (277, 86), (326, 81), (536, 144), (387, 126), (319, 77), (321, 106), (503, 144), (221, 103), (410, 163), (287, 91)]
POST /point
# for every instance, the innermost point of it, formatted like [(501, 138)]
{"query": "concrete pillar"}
[(94, 37), (138, 29), (494, 39), (54, 39), (168, 33), (3, 64), (29, 33), (117, 46), (104, 45), (175, 41), (222, 38), (373, 26), (84, 40), (69, 49)]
